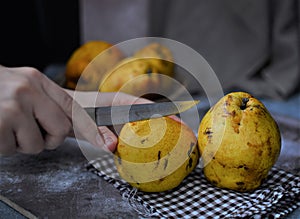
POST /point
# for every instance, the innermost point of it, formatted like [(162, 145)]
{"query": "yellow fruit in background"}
[(239, 142), (159, 57), (133, 76), (107, 74), (156, 155), (80, 59)]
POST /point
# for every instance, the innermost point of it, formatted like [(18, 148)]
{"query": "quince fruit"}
[(156, 155), (135, 76), (159, 57), (239, 142), (82, 57), (143, 73)]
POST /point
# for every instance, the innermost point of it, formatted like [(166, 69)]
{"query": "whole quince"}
[(239, 142), (158, 56), (80, 59), (147, 71), (134, 76), (156, 155)]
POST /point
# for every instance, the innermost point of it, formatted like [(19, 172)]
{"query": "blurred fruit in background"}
[(143, 74), (83, 56), (134, 76), (159, 57), (98, 65)]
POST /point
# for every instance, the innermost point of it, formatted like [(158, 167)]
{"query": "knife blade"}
[(117, 115)]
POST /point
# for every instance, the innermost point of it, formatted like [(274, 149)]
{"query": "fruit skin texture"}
[(132, 73), (156, 155), (82, 56), (158, 56), (141, 73), (239, 142)]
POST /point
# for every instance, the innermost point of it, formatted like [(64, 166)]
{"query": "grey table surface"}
[(55, 184)]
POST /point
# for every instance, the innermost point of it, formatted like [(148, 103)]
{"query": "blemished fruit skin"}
[(239, 142), (141, 73), (159, 57), (133, 76), (156, 155)]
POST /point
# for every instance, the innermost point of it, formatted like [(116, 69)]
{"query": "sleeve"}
[(252, 45), (279, 76)]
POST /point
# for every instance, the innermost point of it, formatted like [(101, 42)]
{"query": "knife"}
[(117, 115)]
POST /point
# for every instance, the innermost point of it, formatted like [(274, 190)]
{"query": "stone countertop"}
[(55, 184)]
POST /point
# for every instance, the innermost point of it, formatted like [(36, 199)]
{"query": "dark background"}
[(30, 38), (252, 45)]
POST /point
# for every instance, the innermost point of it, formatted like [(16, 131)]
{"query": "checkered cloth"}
[(197, 198)]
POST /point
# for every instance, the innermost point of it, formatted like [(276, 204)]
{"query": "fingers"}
[(52, 120), (28, 136), (37, 103), (25, 109), (84, 127), (48, 115), (58, 95), (19, 131), (48, 109), (110, 140), (106, 139)]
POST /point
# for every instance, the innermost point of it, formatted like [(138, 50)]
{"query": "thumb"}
[(109, 139), (83, 126)]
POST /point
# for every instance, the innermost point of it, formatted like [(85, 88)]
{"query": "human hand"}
[(31, 104), (92, 99), (36, 114)]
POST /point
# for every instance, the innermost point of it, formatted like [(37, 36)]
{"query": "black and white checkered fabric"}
[(197, 198)]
